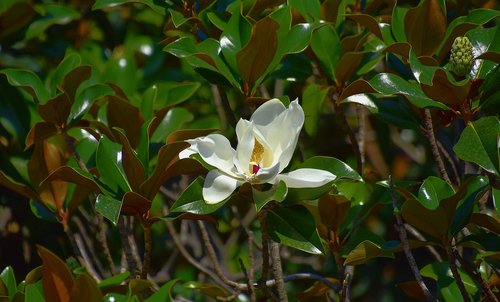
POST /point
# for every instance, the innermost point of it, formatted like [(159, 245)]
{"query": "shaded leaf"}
[(56, 277), (478, 143), (294, 226), (365, 251)]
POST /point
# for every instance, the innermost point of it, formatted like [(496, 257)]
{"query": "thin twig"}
[(455, 273), (213, 256), (278, 271), (429, 133), (127, 250), (406, 246), (147, 250)]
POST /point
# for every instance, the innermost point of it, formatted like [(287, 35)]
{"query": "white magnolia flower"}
[(265, 147)]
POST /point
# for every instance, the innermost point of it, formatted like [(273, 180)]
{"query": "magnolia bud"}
[(461, 56)]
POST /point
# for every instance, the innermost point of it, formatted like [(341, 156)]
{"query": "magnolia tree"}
[(249, 150)]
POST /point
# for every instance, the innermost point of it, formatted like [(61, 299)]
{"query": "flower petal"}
[(283, 133), (218, 186), (214, 149), (306, 178), (267, 112)]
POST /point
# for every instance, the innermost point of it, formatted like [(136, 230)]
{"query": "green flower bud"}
[(461, 57)]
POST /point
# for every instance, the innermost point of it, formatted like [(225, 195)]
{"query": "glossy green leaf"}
[(309, 9), (294, 226), (109, 164), (57, 279), (100, 4), (108, 207), (333, 165), (28, 81), (389, 84), (9, 279), (34, 292), (478, 143), (114, 280), (313, 98), (276, 193), (365, 251), (328, 53), (52, 14), (164, 294), (433, 190), (447, 286), (191, 200)]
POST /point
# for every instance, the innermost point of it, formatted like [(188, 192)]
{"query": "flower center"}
[(257, 154)]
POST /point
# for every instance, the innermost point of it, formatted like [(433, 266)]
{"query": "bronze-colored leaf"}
[(85, 289), (56, 110), (333, 210), (16, 17), (73, 79), (56, 278), (40, 132), (256, 56), (131, 163), (184, 134), (126, 116), (47, 158), (166, 156), (425, 27), (134, 203), (368, 22), (444, 91), (348, 65)]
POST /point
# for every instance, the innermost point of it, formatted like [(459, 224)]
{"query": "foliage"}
[(98, 98)]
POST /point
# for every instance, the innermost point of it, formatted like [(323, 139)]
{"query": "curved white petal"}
[(244, 150), (306, 178), (267, 112), (218, 186), (283, 133), (215, 150)]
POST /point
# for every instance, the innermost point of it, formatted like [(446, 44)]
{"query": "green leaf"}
[(52, 14), (28, 81), (9, 279), (294, 226), (100, 4), (114, 280), (446, 284), (309, 9), (333, 165), (478, 143), (433, 190), (365, 251), (276, 193), (313, 98), (109, 165), (191, 200), (164, 294), (56, 277), (328, 53), (389, 84), (109, 207)]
